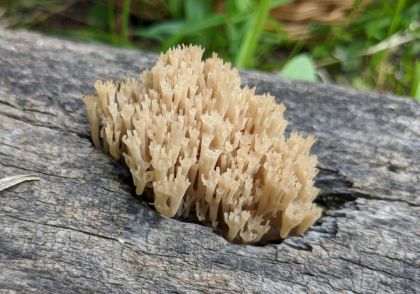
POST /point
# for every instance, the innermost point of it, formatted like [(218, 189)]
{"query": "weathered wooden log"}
[(83, 229)]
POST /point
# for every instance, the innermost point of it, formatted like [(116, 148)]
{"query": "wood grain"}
[(81, 229)]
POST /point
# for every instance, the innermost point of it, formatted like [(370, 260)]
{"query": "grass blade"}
[(417, 96), (193, 28), (396, 19), (159, 31), (415, 90), (11, 181), (255, 27), (111, 22), (277, 3), (124, 24)]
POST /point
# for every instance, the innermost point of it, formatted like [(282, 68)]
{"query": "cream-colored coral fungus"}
[(207, 147)]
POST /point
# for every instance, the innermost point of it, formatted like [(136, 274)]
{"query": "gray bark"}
[(83, 229)]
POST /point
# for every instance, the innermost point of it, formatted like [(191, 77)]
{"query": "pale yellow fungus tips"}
[(207, 147)]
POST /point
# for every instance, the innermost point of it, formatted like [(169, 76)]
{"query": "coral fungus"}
[(207, 147)]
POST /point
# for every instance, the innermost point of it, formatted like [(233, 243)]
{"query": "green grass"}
[(254, 28), (111, 23), (377, 49), (125, 20)]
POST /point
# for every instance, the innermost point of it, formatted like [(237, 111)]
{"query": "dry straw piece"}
[(208, 148)]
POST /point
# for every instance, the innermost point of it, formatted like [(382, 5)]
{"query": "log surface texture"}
[(81, 229)]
